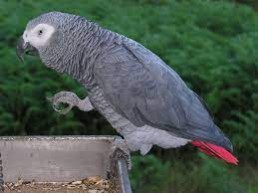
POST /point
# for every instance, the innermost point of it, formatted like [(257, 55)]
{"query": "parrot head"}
[(38, 35), (51, 36)]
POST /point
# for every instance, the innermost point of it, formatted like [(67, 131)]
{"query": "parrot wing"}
[(142, 88)]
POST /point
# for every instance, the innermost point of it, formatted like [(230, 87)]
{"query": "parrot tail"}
[(215, 151)]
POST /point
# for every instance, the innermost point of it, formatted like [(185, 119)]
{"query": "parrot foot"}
[(119, 150), (71, 99)]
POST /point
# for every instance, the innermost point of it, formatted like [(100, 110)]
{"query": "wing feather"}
[(143, 89)]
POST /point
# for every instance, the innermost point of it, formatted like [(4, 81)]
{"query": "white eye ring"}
[(39, 35)]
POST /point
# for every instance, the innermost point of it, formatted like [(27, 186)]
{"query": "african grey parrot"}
[(142, 98)]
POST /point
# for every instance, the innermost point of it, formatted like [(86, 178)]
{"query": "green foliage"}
[(245, 127), (211, 44), (144, 176), (208, 175), (151, 174)]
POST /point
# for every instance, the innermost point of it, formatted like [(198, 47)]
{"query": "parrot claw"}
[(62, 111), (120, 150), (64, 97), (71, 99)]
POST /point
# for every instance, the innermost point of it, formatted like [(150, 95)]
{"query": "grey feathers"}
[(131, 81), (147, 92)]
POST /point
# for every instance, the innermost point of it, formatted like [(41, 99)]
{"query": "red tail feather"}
[(215, 151)]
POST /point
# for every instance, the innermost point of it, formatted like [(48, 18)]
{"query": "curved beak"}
[(23, 48)]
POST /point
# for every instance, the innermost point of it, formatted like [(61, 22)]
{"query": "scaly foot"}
[(72, 100)]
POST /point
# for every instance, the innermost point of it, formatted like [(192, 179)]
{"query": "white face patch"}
[(39, 35)]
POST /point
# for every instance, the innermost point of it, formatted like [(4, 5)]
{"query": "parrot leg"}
[(72, 100), (119, 150)]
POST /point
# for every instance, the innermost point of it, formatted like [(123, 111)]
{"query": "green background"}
[(213, 46)]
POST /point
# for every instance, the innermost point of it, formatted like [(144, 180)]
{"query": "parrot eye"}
[(40, 32)]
